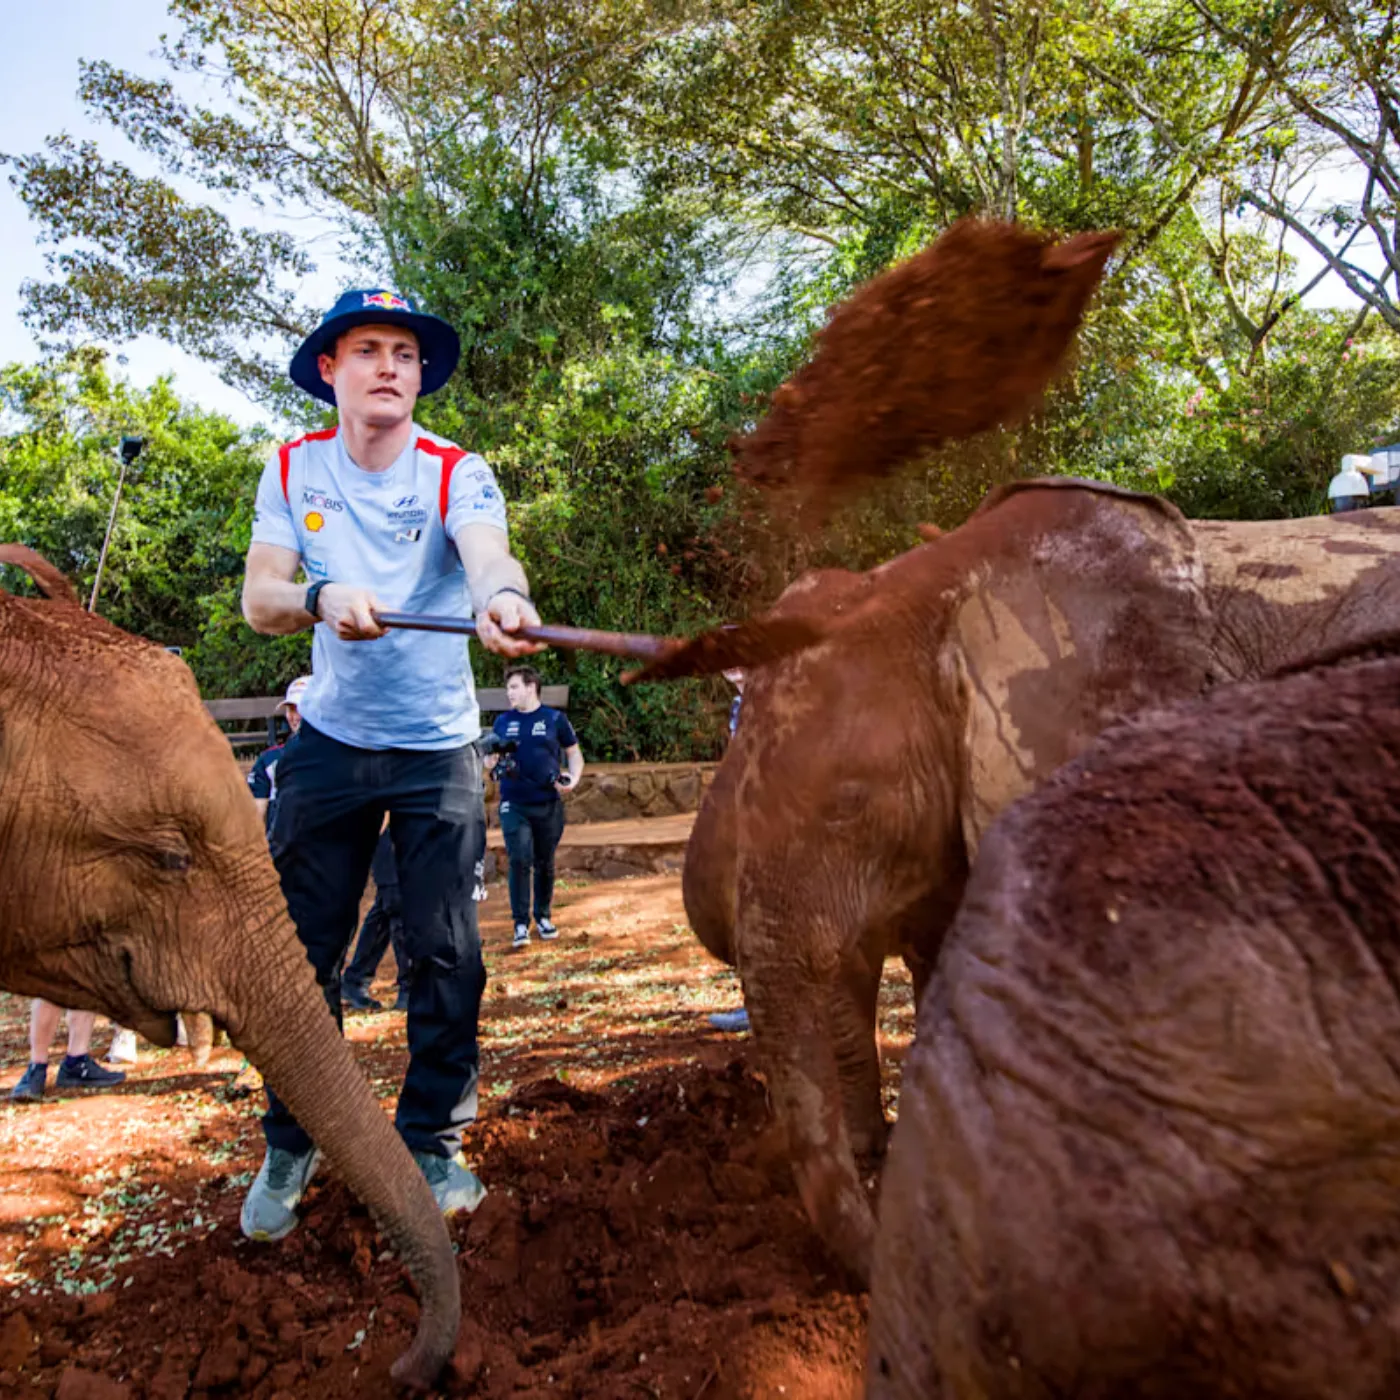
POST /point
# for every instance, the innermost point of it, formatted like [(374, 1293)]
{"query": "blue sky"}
[(45, 42)]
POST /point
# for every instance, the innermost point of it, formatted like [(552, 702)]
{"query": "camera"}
[(504, 749), (131, 449)]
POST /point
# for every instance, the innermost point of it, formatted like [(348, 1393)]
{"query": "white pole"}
[(107, 538)]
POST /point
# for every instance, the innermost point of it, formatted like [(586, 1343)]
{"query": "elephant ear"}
[(1086, 603)]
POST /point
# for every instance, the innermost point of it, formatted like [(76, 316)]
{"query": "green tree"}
[(174, 567), (340, 110), (584, 188), (1334, 69)]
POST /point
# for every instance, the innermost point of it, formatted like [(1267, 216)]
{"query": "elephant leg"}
[(791, 1020), (854, 1020)]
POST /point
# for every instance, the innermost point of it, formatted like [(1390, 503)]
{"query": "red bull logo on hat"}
[(387, 301)]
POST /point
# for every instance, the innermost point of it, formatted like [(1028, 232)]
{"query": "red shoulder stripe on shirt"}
[(450, 457), (284, 454)]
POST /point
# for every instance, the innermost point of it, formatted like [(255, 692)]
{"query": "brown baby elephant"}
[(1149, 1138), (135, 880), (945, 685)]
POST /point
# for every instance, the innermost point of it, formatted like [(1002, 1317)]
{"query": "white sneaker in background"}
[(123, 1047)]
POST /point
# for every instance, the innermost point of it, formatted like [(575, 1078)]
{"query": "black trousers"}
[(531, 831), (332, 801), (383, 925)]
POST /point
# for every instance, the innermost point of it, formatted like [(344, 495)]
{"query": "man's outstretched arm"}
[(500, 590), (275, 604)]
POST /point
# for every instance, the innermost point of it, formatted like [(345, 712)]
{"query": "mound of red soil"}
[(648, 1243), (956, 340), (641, 1236)]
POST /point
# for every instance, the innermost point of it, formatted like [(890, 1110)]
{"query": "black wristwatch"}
[(313, 597)]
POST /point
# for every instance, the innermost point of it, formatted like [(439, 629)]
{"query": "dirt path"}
[(641, 1237)]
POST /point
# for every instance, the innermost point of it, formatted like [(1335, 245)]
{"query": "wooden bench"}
[(263, 708)]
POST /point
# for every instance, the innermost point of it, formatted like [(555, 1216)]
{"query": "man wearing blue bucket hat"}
[(381, 516)]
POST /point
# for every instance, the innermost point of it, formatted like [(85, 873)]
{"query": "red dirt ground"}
[(641, 1237)]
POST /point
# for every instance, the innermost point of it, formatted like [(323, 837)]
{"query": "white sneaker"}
[(123, 1048), (455, 1186), (270, 1207), (546, 930), (522, 936)]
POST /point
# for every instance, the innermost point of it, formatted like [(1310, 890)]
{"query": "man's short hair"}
[(528, 674)]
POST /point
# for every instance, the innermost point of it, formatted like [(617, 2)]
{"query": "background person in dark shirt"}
[(532, 809), (262, 776)]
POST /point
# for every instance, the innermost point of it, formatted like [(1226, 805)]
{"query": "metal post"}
[(106, 540), (130, 451)]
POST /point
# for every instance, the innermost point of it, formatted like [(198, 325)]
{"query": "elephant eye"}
[(168, 850)]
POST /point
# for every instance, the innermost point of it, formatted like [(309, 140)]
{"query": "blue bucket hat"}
[(376, 306)]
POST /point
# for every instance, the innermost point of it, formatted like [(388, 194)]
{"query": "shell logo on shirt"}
[(313, 520)]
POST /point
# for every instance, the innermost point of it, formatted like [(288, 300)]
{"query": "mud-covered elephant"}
[(948, 682), (1149, 1134), (135, 880)]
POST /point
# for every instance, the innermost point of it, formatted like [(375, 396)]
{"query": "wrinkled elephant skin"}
[(949, 682), (1147, 1142), (135, 880)]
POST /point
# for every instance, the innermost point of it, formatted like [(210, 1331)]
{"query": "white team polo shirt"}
[(391, 532)]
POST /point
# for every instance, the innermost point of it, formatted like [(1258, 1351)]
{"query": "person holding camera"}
[(530, 740)]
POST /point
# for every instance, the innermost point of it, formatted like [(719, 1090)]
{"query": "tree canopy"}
[(636, 212)]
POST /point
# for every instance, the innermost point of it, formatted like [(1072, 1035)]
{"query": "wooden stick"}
[(631, 644)]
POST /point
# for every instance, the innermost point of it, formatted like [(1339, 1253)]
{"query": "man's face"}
[(293, 718), (519, 692), (376, 373)]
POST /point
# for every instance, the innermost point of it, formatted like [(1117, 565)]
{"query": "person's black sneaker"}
[(359, 1001), (85, 1073), (522, 936), (30, 1088), (546, 930)]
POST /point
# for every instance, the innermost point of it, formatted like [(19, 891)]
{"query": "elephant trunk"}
[(282, 1024)]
